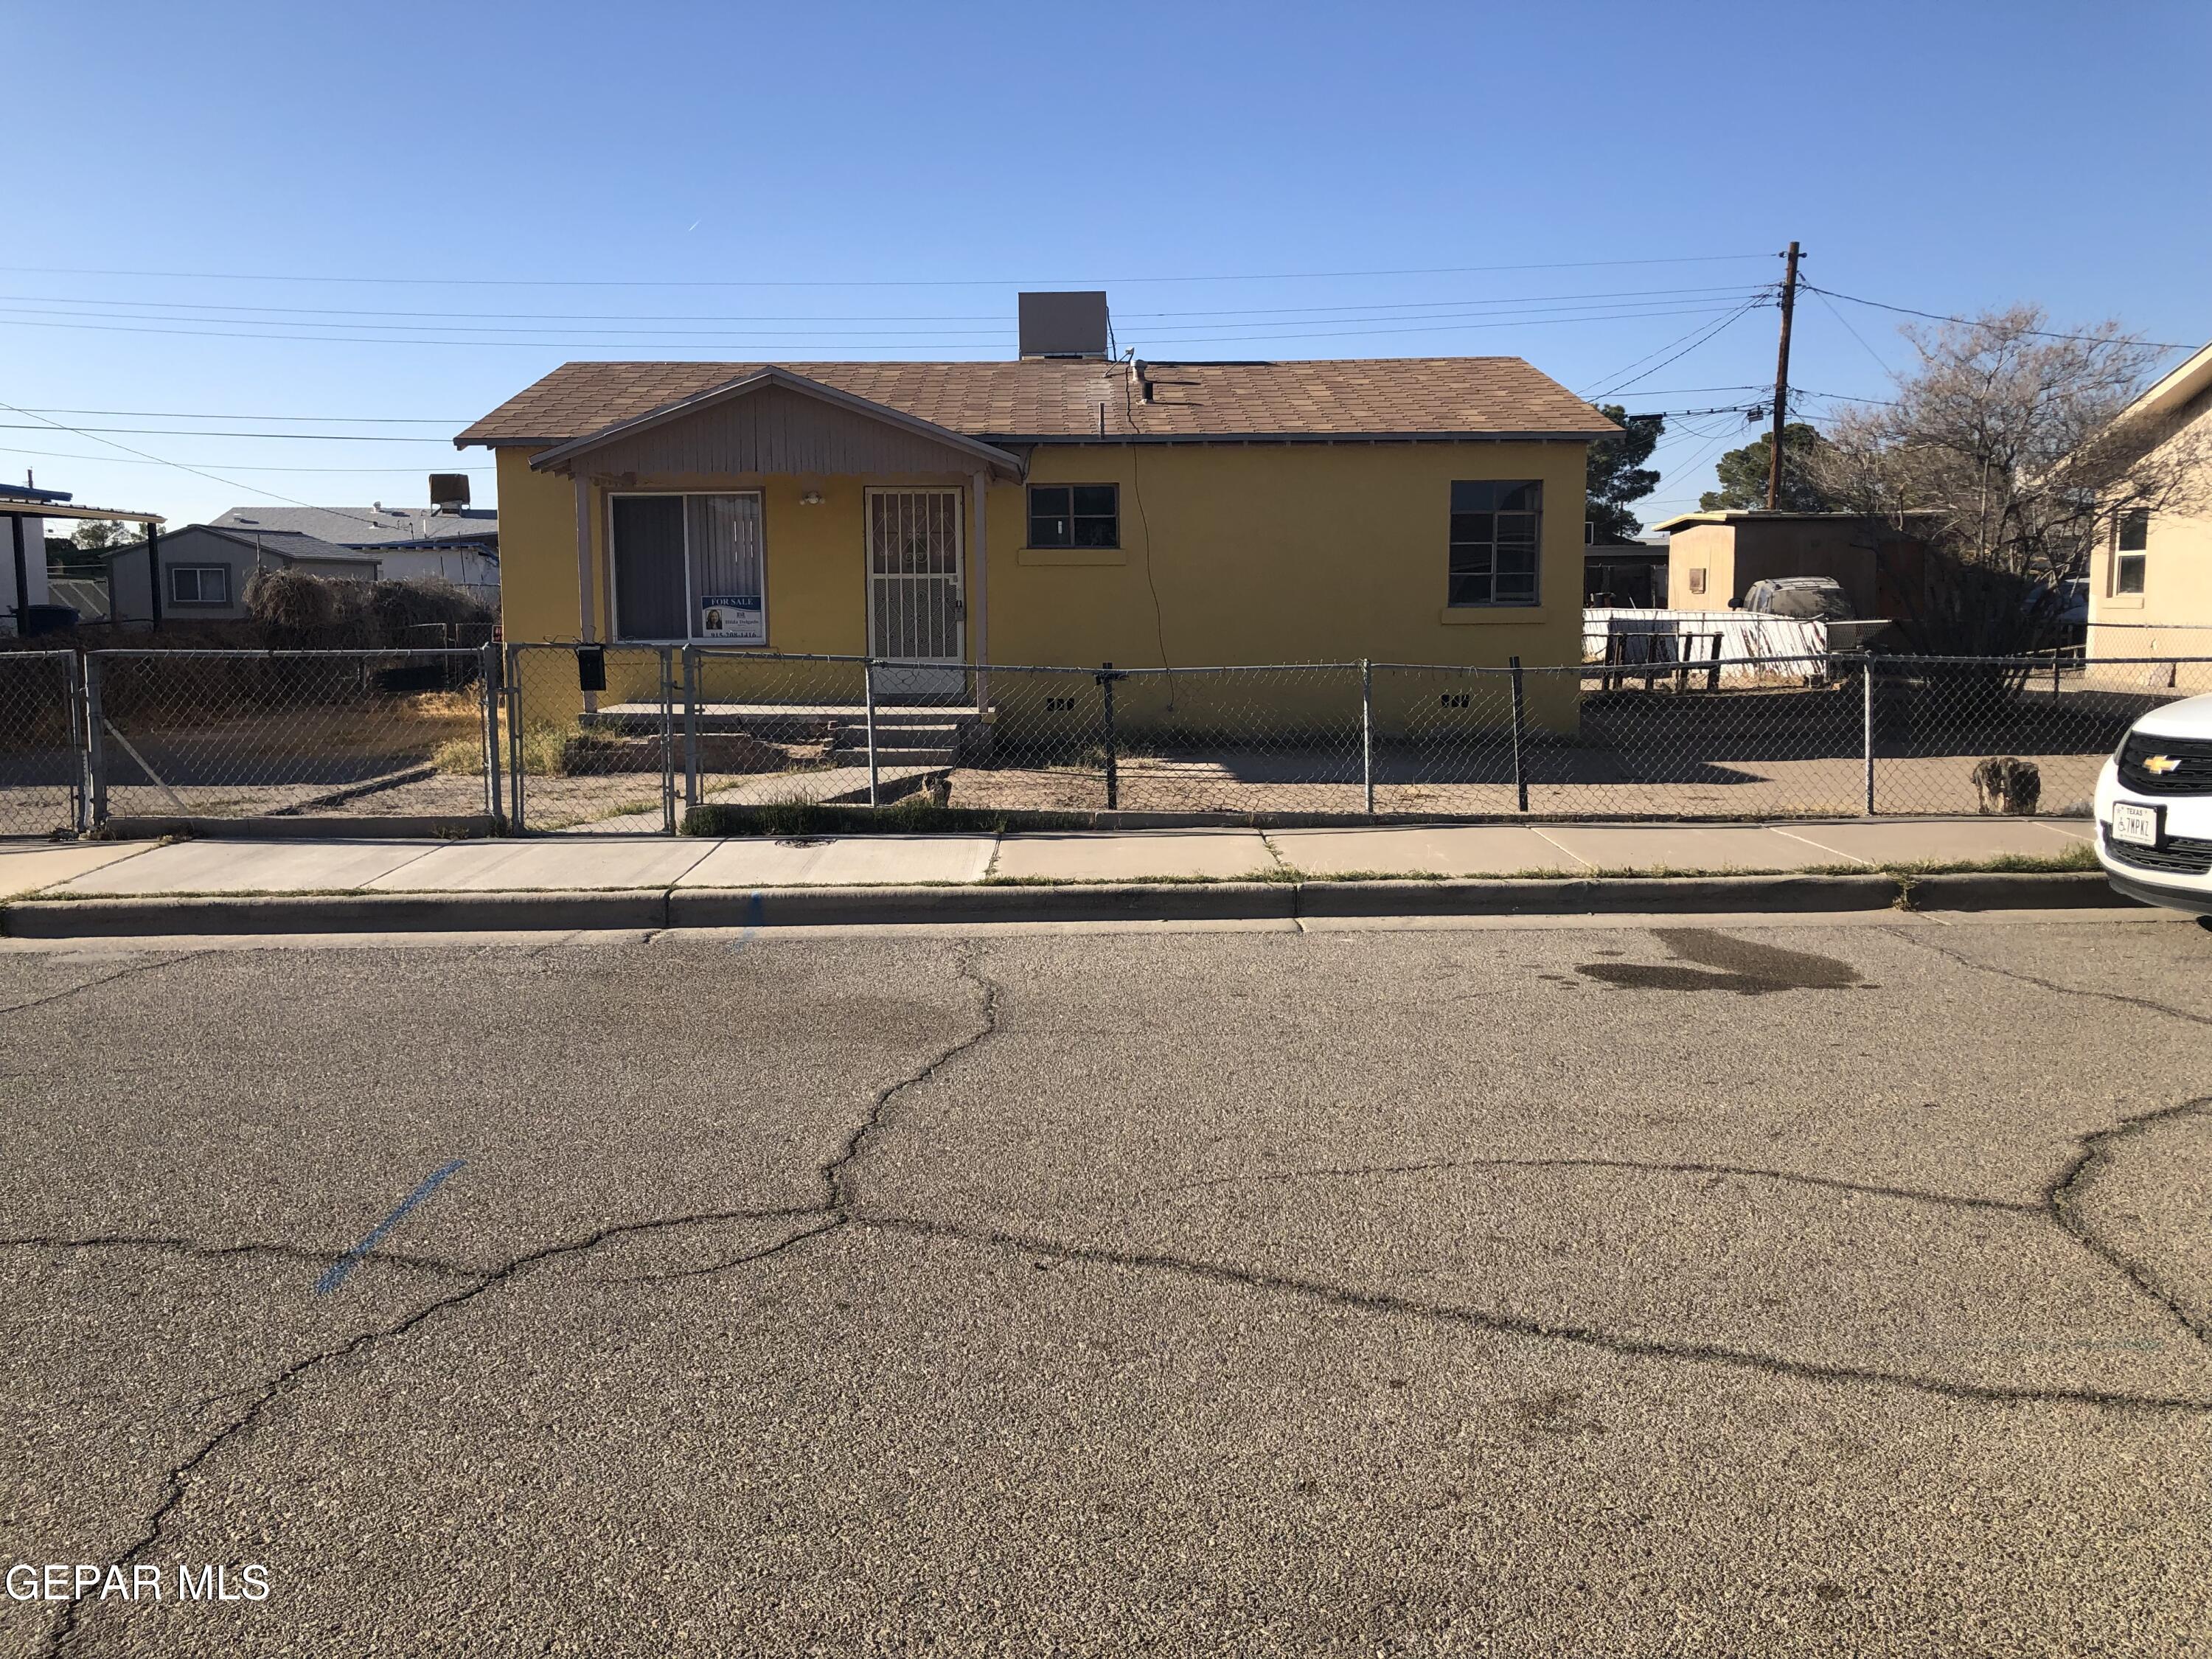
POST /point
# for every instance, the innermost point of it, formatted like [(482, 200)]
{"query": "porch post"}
[(979, 581), (586, 625)]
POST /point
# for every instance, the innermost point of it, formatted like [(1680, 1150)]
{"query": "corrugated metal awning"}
[(20, 507)]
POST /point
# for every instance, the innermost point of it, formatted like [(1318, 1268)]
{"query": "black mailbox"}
[(591, 668)]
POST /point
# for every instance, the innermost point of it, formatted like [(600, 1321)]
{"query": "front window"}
[(1075, 515), (1494, 538), (199, 583), (689, 568), (2133, 539)]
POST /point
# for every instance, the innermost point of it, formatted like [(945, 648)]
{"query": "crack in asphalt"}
[(1965, 961), (839, 1209), (2072, 1183), (94, 984), (1355, 1172), (834, 1212), (1519, 1325), (194, 1249)]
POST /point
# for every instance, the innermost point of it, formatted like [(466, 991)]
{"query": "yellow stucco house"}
[(1067, 507), (2153, 571)]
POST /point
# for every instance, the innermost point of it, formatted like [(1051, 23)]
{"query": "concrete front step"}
[(795, 722)]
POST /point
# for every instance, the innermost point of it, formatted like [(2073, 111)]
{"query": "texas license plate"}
[(2136, 825)]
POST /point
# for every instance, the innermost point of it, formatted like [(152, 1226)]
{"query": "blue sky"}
[(827, 180)]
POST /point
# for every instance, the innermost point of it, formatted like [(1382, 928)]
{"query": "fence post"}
[(487, 690), (515, 769), (1367, 731), (80, 777), (95, 750), (1106, 679), (668, 739), (1520, 776), (1866, 677), (868, 694), (691, 727)]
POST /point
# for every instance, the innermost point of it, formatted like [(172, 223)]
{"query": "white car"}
[(2154, 809)]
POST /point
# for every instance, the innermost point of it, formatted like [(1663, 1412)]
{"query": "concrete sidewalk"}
[(207, 886), (582, 864)]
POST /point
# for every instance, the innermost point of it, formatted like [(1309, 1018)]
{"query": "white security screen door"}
[(917, 603)]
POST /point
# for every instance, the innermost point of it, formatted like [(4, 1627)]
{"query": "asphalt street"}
[(1840, 1286)]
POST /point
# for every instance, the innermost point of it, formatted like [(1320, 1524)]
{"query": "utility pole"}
[(1781, 383)]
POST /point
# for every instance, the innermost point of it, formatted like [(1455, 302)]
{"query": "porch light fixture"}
[(812, 498)]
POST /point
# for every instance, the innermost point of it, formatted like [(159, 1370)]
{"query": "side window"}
[(1075, 515), (2133, 540), (1496, 531), (199, 583)]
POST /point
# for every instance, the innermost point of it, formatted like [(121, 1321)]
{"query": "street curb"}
[(1598, 895), (803, 907), (785, 907), (2015, 890), (333, 913)]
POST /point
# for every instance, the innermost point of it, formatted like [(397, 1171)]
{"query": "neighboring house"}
[(1715, 557), (1064, 508), (459, 545), (203, 570), (2152, 572)]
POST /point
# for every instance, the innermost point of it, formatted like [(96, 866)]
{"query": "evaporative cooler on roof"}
[(1072, 325)]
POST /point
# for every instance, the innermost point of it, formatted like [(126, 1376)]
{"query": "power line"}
[(237, 466), (1309, 313), (1711, 333), (164, 432), (1593, 397), (574, 345), (1828, 306), (366, 420), (967, 282), (230, 483), (2039, 333), (998, 335)]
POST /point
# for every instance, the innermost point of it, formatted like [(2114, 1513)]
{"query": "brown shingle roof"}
[(1348, 397)]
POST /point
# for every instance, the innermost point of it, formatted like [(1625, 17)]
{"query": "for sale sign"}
[(739, 618)]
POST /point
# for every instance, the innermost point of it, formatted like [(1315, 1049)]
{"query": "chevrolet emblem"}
[(2159, 764)]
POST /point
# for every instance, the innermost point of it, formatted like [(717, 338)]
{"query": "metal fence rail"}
[(549, 738)]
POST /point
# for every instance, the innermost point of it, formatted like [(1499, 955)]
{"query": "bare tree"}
[(2009, 450)]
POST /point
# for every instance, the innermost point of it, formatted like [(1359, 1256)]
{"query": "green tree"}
[(95, 533), (1618, 475), (1743, 475)]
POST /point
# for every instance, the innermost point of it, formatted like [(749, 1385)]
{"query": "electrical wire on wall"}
[(1137, 494)]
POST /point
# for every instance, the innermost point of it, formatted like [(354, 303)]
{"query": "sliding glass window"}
[(689, 568)]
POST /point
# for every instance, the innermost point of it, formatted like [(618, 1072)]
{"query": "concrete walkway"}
[(581, 863)]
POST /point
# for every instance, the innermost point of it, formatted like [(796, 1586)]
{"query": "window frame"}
[(1031, 544), (2130, 564), (1452, 544), (200, 573), (615, 635)]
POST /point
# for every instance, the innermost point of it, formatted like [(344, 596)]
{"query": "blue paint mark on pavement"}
[(756, 918), (345, 1264)]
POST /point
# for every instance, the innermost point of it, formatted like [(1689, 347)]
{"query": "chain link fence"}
[(384, 734), (550, 738), (42, 769)]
